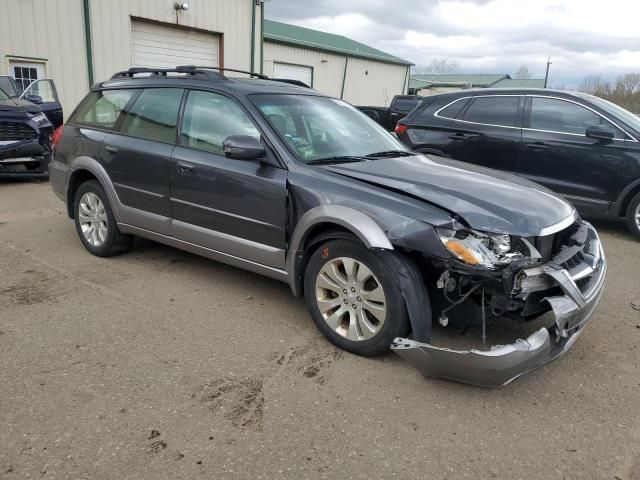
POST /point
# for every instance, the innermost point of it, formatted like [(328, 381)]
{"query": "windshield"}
[(617, 111), (318, 128)]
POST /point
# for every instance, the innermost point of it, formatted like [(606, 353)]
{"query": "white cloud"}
[(582, 37)]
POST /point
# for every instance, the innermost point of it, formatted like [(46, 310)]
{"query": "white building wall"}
[(111, 29), (374, 83), (51, 32), (328, 68), (367, 82)]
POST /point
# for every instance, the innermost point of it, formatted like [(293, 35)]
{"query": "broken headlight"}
[(488, 250)]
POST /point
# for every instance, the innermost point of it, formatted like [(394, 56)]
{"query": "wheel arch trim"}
[(92, 166), (360, 224)]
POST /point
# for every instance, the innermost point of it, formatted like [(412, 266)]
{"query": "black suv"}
[(25, 139), (578, 145), (304, 188)]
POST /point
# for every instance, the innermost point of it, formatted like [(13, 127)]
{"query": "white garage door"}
[(293, 72), (165, 46)]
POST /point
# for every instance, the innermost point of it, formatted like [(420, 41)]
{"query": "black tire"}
[(115, 241), (396, 321), (632, 211)]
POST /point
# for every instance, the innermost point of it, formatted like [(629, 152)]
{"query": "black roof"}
[(203, 77)]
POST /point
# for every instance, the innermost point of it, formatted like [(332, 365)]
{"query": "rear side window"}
[(154, 115), (453, 109), (209, 118), (405, 104), (102, 109), (500, 110)]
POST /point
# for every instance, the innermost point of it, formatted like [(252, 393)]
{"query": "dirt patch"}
[(33, 287), (241, 400), (313, 359)]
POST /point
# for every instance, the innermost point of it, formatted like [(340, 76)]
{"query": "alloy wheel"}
[(637, 215), (93, 219), (350, 299)]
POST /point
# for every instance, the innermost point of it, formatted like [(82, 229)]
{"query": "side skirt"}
[(270, 272)]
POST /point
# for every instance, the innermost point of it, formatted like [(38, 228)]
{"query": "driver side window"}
[(209, 118), (557, 115)]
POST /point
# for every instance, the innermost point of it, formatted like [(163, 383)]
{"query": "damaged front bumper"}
[(582, 288)]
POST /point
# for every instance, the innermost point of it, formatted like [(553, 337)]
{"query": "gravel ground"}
[(160, 364)]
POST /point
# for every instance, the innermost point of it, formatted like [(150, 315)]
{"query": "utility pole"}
[(546, 75)]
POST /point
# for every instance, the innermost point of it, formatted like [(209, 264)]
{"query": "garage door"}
[(293, 72), (165, 46)]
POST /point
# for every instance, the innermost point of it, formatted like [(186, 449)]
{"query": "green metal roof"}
[(306, 37), (475, 79), (519, 83)]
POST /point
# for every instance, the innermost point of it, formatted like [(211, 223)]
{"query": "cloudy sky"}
[(583, 37)]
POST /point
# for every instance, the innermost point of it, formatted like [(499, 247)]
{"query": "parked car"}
[(578, 145), (304, 188), (388, 117), (25, 139), (41, 92)]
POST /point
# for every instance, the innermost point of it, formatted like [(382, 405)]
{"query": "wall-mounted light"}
[(181, 6)]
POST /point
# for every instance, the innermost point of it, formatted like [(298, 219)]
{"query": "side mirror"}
[(37, 99), (600, 132), (243, 147)]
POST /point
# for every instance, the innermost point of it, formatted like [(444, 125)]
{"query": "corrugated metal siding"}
[(54, 30), (50, 30), (111, 25), (383, 81), (328, 68), (373, 83)]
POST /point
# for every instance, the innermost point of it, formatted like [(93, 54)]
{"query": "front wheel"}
[(633, 216), (354, 298)]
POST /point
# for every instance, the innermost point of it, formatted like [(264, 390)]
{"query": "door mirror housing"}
[(37, 99), (243, 147), (600, 132)]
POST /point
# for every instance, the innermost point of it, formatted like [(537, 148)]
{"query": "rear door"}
[(237, 207), (556, 153), (486, 131), (138, 157)]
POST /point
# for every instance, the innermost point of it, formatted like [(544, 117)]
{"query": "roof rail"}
[(162, 72), (221, 69)]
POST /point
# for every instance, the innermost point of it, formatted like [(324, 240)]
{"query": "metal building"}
[(333, 64), (79, 42)]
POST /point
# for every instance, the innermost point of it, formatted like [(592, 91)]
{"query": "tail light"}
[(400, 128), (57, 135)]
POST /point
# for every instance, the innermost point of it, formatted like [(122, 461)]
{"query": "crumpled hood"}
[(486, 199), (15, 105)]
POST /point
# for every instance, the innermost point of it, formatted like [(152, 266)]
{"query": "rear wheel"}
[(633, 216), (95, 223), (353, 298)]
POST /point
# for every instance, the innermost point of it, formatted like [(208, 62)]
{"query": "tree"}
[(623, 91), (439, 66), (522, 73)]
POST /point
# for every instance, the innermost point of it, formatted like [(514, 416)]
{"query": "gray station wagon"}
[(301, 187)]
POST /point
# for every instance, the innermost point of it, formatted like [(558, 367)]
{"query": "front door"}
[(48, 101), (236, 207), (487, 132), (556, 153), (138, 157)]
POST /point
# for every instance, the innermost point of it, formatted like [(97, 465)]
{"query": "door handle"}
[(464, 136), (185, 167), (111, 150), (537, 146)]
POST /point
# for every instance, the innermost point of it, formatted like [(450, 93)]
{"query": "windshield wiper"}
[(337, 159), (390, 153)]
